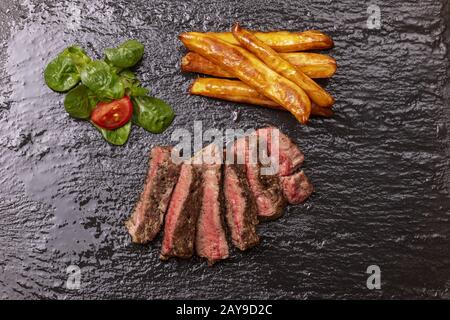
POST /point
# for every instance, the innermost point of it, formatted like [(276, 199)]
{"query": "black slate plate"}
[(380, 165)]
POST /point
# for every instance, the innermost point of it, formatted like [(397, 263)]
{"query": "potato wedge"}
[(285, 41), (272, 59), (252, 71), (314, 65), (237, 91)]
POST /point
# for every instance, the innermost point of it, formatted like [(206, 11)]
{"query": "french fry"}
[(245, 66), (272, 59), (237, 91), (285, 41), (193, 62), (314, 65)]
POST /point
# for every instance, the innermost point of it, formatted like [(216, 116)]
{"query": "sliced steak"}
[(181, 218), (211, 241), (297, 187), (266, 189), (148, 214), (241, 210), (268, 193), (290, 155)]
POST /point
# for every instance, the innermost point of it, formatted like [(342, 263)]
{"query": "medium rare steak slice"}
[(241, 210), (290, 156), (266, 189), (148, 214), (181, 218), (297, 187), (211, 241), (268, 193)]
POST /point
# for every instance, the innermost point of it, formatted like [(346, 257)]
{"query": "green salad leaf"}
[(137, 91), (117, 136), (114, 68), (126, 55), (80, 101), (102, 80), (61, 74), (132, 85), (78, 56), (129, 77), (152, 114)]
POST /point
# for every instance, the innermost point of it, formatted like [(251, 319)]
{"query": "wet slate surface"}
[(380, 166)]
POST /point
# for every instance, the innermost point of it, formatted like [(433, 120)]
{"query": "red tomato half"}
[(114, 114)]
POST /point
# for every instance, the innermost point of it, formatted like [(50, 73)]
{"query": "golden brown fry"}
[(285, 41), (237, 91), (193, 62), (322, 112), (314, 65), (252, 71), (271, 58), (231, 90)]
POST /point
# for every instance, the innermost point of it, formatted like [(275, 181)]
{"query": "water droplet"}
[(441, 130), (236, 116)]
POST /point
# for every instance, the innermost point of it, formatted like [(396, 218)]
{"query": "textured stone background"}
[(380, 165)]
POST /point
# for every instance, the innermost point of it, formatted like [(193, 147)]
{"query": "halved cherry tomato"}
[(114, 114)]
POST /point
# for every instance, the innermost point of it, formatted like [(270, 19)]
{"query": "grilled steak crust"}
[(148, 214), (211, 241), (268, 193), (297, 187), (265, 189), (241, 210), (290, 156), (181, 218)]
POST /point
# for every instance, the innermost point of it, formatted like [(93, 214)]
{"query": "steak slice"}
[(241, 210), (290, 155), (297, 187), (181, 218), (211, 241), (148, 214), (266, 189)]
